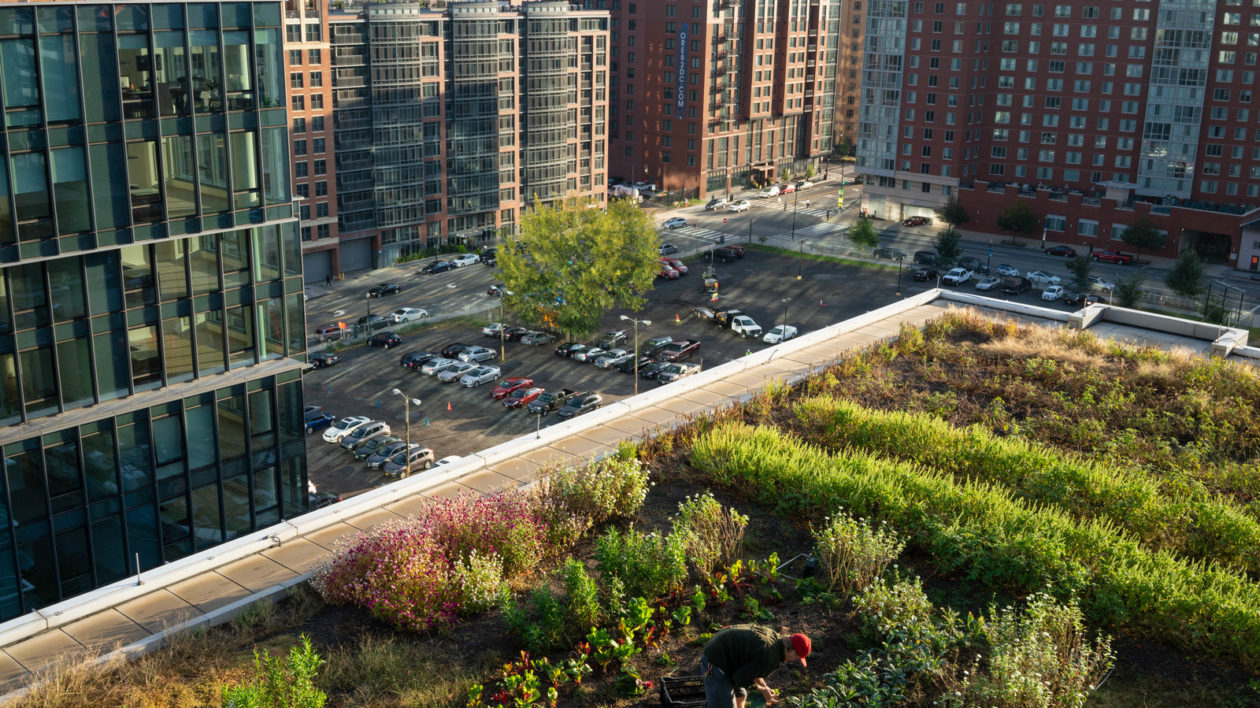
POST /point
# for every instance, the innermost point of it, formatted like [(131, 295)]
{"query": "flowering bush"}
[(478, 578), (396, 571), (498, 524), (571, 501)]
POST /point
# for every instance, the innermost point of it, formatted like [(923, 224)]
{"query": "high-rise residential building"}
[(849, 72), (309, 63), (450, 119), (151, 306), (1096, 114), (708, 95)]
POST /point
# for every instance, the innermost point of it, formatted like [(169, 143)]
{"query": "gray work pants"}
[(718, 691)]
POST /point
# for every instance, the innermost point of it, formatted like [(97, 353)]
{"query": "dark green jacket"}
[(745, 653)]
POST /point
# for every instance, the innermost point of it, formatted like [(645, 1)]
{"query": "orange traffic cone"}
[(676, 319), (448, 405)]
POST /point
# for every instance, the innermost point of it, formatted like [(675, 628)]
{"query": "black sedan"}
[(627, 366), (650, 371), (384, 340), (922, 274), (320, 360), (1062, 251), (375, 321), (438, 267), (318, 420), (385, 289), (414, 360), (452, 351), (568, 349), (513, 334)]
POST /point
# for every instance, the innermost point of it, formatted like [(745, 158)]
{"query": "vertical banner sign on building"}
[(684, 38)]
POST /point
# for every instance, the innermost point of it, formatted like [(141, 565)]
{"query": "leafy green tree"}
[(953, 213), (1080, 267), (863, 233), (570, 264), (810, 171), (786, 174), (948, 246), (1142, 235), (1018, 219), (1186, 276), (1128, 292)]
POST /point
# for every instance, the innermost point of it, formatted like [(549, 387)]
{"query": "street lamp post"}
[(407, 401), (796, 198), (899, 259), (786, 300), (367, 326), (503, 293), (645, 323)]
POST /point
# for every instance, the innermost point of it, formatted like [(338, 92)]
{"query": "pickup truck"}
[(1113, 257), (549, 401), (743, 324), (1014, 285), (679, 350), (673, 372)]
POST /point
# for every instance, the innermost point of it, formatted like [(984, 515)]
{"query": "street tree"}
[(863, 233), (1142, 235), (1018, 219), (1080, 267), (1186, 276), (948, 246), (571, 264), (953, 213), (1128, 292)]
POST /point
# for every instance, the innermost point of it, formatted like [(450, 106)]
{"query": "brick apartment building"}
[(708, 94), (849, 72), (309, 61), (450, 118), (1095, 113)]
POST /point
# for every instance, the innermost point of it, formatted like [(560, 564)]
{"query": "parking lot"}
[(456, 421)]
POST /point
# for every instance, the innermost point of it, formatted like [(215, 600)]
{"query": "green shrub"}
[(583, 597), (851, 554), (1201, 526), (978, 530), (714, 534), (280, 683), (571, 501), (540, 624), (649, 565), (478, 578)]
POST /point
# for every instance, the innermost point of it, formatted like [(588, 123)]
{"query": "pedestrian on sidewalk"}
[(328, 279)]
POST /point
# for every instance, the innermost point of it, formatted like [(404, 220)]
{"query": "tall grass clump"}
[(280, 683), (980, 531), (714, 535), (851, 554), (649, 565), (1200, 526), (569, 502)]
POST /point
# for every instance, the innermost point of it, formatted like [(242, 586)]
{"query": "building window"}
[(321, 167), (299, 125)]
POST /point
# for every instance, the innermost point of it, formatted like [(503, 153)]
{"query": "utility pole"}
[(645, 323), (407, 401)]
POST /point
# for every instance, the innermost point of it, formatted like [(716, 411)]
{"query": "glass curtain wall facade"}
[(151, 307)]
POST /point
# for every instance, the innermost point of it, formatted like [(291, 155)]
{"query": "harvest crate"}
[(682, 691)]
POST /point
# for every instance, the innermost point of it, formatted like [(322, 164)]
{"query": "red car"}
[(1113, 257), (509, 385), (667, 272), (914, 221), (521, 397), (675, 264), (787, 188)]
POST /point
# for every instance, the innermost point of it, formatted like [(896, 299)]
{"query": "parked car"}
[(738, 206), (612, 357), (335, 432), (509, 385), (455, 372), (494, 329), (385, 289), (927, 258), (1115, 257), (779, 333), (675, 223), (675, 264), (1099, 283), (490, 258), (652, 345), (915, 221), (988, 282), (668, 249), (650, 371), (1007, 271), (568, 349), (1052, 293), (667, 273), (409, 314), (612, 338), (497, 290), (477, 354), (580, 403), (437, 267), (1042, 280), (1064, 251), (437, 365), (513, 334), (629, 365), (373, 445), (722, 254), (330, 332), (745, 325), (973, 264), (319, 500), (701, 312), (549, 401), (320, 360), (1014, 285), (480, 375), (384, 340), (679, 350), (891, 254), (364, 432), (715, 204), (372, 323), (465, 259), (771, 191), (674, 372), (451, 351), (421, 458), (925, 274), (588, 355), (737, 250), (377, 459), (787, 188), (451, 459), (804, 184), (537, 339), (956, 276), (317, 420), (521, 397)]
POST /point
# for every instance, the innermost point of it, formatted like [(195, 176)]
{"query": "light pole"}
[(786, 300), (645, 323), (368, 325), (503, 294), (899, 259), (407, 401), (796, 198)]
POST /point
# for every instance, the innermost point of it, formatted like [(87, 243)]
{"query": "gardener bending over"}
[(740, 657)]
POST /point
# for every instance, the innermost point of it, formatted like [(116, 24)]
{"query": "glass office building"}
[(151, 306)]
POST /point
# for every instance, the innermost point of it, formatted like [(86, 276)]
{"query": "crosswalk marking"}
[(695, 232), (815, 230)]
